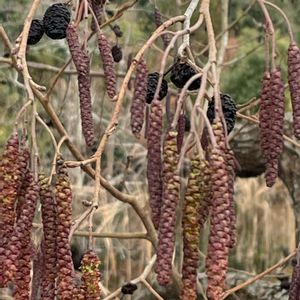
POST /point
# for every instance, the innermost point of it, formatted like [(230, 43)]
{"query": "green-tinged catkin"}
[(90, 276), (48, 246), (20, 238), (220, 223), (82, 63), (137, 110), (63, 198), (108, 66), (194, 196), (166, 235), (154, 165)]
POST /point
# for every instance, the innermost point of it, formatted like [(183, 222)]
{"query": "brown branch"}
[(259, 276)]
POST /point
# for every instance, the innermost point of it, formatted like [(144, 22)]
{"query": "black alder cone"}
[(229, 111), (117, 30), (151, 88), (181, 73), (56, 20), (36, 32), (116, 52), (128, 288)]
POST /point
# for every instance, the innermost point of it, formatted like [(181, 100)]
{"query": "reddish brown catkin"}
[(82, 64), (181, 131), (154, 165), (63, 197), (294, 290), (97, 8), (165, 37), (276, 126), (90, 275), (219, 235), (137, 109), (37, 272), (166, 235), (190, 228), (48, 247), (108, 66), (11, 173), (21, 236), (294, 84)]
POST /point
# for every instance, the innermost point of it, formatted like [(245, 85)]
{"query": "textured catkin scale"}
[(166, 235), (190, 227), (21, 236), (151, 87), (294, 84), (219, 235), (154, 165), (157, 18), (181, 73), (108, 66), (181, 126), (294, 290), (276, 126), (49, 239), (36, 32), (56, 20), (63, 198), (82, 64), (117, 54), (265, 116), (97, 8), (228, 108), (90, 275), (137, 110)]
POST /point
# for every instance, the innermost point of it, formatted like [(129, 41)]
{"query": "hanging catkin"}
[(48, 246), (294, 84), (154, 165), (137, 109), (190, 227), (108, 66), (157, 18), (294, 290), (63, 197), (166, 235), (219, 235), (82, 64)]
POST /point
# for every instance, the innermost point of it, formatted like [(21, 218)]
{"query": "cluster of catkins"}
[(53, 274), (271, 114)]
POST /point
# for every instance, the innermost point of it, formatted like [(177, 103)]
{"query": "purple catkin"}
[(157, 18), (294, 290), (294, 84), (82, 64), (219, 235), (166, 235), (154, 166), (137, 109), (108, 66), (21, 236), (97, 8), (37, 273), (181, 130), (63, 197), (48, 246), (190, 227)]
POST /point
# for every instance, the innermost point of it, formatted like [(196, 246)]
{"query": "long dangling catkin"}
[(82, 64), (90, 275), (157, 18), (219, 235), (190, 228), (137, 109), (294, 290), (48, 246), (21, 236), (63, 197), (166, 235), (108, 66), (97, 8), (276, 126), (154, 165), (294, 84)]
